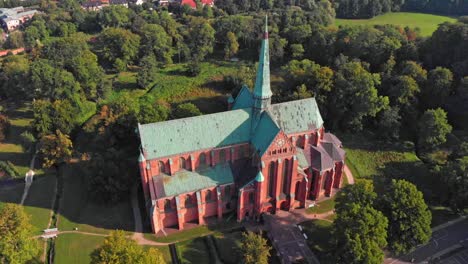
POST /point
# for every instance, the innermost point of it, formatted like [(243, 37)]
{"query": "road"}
[(442, 240)]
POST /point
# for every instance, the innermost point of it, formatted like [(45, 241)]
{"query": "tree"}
[(55, 149), (27, 141), (114, 16), (361, 193), (404, 91), (151, 113), (156, 41), (201, 38), (14, 77), (433, 128), (118, 249), (17, 244), (42, 121), (455, 177), (118, 47), (186, 110), (15, 40), (355, 96), (232, 46), (389, 123), (148, 71), (409, 217), (360, 234), (254, 248), (438, 87)]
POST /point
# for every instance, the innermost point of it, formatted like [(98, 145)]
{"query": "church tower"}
[(262, 92)]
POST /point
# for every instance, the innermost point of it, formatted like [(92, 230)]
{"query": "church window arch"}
[(182, 163), (222, 156), (208, 195), (251, 198), (162, 168), (189, 201), (227, 192), (202, 159), (285, 174), (167, 205), (271, 176)]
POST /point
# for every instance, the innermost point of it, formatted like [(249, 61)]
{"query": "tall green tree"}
[(55, 149), (254, 249), (186, 110), (455, 177), (360, 235), (156, 41), (409, 217), (355, 96), (17, 244), (118, 249), (433, 128), (403, 91), (361, 193), (201, 38), (118, 47), (115, 16), (438, 87), (232, 46), (148, 71)]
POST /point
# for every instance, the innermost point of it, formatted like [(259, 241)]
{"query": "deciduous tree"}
[(409, 217), (55, 149), (17, 244), (254, 248), (433, 128), (232, 46), (118, 47)]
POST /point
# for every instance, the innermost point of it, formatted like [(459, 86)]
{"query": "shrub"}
[(9, 169)]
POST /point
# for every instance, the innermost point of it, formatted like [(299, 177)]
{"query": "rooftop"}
[(188, 181)]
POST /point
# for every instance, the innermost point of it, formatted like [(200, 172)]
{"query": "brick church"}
[(255, 158)]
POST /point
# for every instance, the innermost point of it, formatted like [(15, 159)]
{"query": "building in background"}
[(255, 158), (12, 18)]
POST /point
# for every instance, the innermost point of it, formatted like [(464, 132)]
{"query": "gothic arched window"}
[(222, 156), (208, 195), (202, 160), (227, 192), (285, 175), (167, 205), (271, 176), (162, 168), (182, 163)]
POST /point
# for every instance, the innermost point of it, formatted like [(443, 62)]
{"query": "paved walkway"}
[(138, 235), (349, 174), (28, 179)]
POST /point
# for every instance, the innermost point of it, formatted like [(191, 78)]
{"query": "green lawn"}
[(193, 251), (322, 207), (38, 204), (368, 158), (11, 150), (425, 22), (318, 233), (228, 245), (77, 210), (76, 248)]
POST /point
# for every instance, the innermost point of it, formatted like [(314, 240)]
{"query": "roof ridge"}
[(194, 117)]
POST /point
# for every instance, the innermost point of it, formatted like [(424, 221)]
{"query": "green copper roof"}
[(189, 181), (194, 133), (230, 99), (262, 82), (265, 133), (297, 116), (244, 99), (259, 177), (301, 158)]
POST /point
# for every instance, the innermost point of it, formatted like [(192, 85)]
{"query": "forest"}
[(384, 80)]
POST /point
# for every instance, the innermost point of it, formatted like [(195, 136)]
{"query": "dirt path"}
[(349, 175), (138, 235)]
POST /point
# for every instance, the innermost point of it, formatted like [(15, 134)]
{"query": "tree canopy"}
[(254, 248)]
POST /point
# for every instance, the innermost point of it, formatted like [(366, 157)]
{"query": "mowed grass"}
[(318, 237), (76, 248), (425, 22), (38, 204), (322, 207), (78, 210), (193, 251), (11, 150), (368, 158)]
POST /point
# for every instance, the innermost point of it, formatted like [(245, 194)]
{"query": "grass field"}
[(77, 210), (11, 150), (425, 22), (193, 251), (318, 233), (76, 248), (322, 207)]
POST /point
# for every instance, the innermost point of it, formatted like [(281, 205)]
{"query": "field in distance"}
[(425, 22)]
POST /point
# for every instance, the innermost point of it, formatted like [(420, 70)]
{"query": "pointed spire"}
[(262, 83), (259, 177)]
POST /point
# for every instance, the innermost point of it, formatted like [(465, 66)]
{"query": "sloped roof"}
[(192, 3), (262, 80), (194, 133), (244, 99), (301, 158), (329, 137), (265, 133), (320, 158), (336, 153), (297, 116), (189, 181)]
